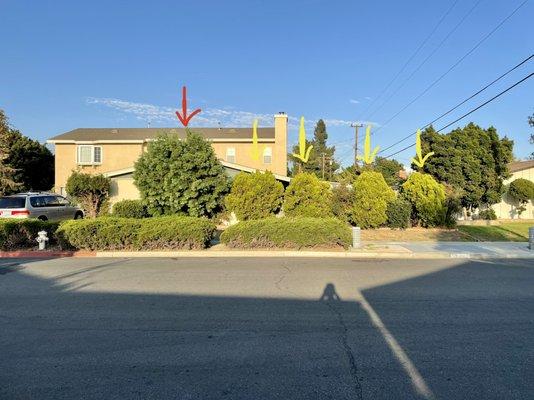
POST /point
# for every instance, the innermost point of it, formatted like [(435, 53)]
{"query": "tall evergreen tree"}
[(33, 162), (7, 172), (321, 161), (470, 159)]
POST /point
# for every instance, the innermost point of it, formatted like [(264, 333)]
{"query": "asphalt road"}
[(266, 329)]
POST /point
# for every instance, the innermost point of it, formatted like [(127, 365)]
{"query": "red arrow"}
[(184, 118)]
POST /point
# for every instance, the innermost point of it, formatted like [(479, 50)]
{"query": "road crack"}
[(353, 367)]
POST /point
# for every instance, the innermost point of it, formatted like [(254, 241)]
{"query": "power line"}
[(410, 58), (426, 59), (461, 103), (470, 112), (477, 45)]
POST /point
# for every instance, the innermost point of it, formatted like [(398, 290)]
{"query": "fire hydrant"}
[(42, 238)]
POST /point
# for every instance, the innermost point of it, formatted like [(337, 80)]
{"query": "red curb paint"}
[(45, 254)]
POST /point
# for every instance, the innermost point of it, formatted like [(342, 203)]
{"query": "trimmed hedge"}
[(175, 233), (130, 209), (21, 233), (112, 233), (303, 232), (104, 233)]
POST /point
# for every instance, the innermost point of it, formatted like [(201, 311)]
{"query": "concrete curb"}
[(353, 254), (304, 254)]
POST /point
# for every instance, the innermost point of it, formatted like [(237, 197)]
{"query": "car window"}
[(50, 201), (37, 201), (12, 202), (61, 201)]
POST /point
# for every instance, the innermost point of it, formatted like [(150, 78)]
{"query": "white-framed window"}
[(230, 155), (88, 154), (267, 155)]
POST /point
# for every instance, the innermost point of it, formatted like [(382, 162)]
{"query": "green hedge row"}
[(21, 233), (288, 233), (112, 233)]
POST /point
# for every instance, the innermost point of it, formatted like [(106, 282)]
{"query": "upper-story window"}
[(89, 154), (267, 155), (230, 155)]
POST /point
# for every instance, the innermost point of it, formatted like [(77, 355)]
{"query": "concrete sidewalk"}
[(391, 250)]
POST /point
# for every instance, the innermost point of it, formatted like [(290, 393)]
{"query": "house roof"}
[(143, 134), (515, 166)]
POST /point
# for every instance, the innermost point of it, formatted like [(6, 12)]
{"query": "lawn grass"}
[(505, 232), (414, 235)]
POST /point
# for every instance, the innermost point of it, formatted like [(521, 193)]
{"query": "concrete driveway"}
[(266, 329)]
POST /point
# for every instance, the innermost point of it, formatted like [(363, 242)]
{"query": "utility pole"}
[(356, 126), (323, 165)]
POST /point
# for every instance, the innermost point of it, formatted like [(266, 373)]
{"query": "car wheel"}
[(42, 218), (78, 215)]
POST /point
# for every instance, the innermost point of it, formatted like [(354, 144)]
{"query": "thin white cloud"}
[(209, 116), (162, 114), (353, 101)]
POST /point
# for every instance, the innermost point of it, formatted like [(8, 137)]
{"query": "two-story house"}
[(113, 152)]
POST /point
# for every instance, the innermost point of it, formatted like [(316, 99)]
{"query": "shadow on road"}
[(60, 344)]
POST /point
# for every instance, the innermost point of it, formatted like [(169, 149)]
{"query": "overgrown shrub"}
[(21, 234), (169, 233), (130, 209), (307, 196), (255, 196), (91, 192), (371, 197), (176, 176), (487, 214), (342, 201), (112, 233), (399, 212), (288, 233), (427, 197)]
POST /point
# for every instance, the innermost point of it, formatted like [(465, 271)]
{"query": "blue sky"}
[(72, 64)]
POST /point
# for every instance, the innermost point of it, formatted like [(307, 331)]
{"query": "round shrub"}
[(288, 233), (521, 190), (488, 214), (255, 196), (427, 197), (307, 196), (399, 212), (371, 197), (130, 209)]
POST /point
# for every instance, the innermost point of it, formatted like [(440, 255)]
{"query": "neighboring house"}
[(113, 152), (506, 209)]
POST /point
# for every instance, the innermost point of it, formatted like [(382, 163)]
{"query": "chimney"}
[(280, 144)]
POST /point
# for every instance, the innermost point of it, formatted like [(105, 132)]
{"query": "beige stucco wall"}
[(115, 156), (506, 209), (123, 188)]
